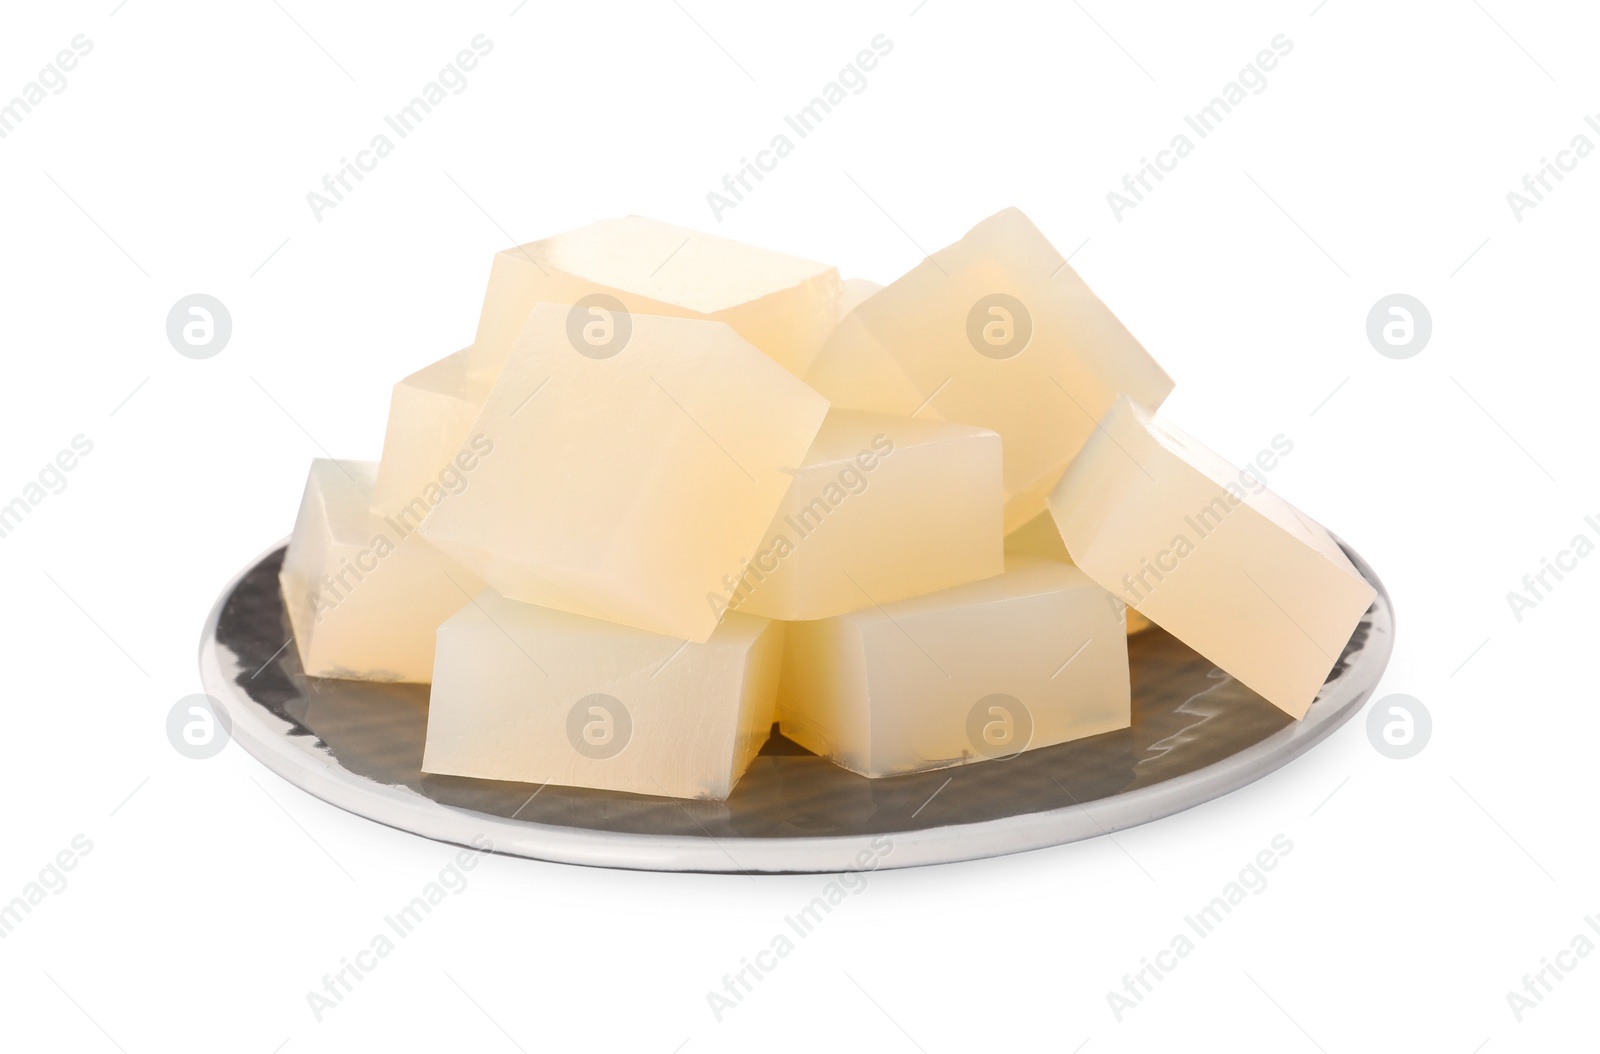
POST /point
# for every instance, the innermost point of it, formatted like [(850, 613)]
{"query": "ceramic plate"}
[(1196, 734)]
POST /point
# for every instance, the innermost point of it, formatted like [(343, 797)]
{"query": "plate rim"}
[(319, 774)]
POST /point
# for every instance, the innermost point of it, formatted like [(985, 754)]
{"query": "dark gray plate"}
[(1196, 734)]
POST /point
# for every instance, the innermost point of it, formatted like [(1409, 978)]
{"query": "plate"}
[(1196, 735)]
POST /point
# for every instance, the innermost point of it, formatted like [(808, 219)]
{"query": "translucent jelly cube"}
[(782, 304), (1210, 555), (883, 508), (1026, 659), (1039, 537), (535, 695), (997, 331), (430, 414), (629, 486), (365, 595)]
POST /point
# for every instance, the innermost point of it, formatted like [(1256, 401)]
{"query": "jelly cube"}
[(998, 331), (430, 414), (536, 695), (1026, 659), (782, 304), (629, 486), (883, 508), (1210, 555), (365, 595)]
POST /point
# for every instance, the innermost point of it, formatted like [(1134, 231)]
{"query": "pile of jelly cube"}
[(682, 492)]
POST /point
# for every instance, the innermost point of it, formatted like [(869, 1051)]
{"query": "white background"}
[(1377, 160)]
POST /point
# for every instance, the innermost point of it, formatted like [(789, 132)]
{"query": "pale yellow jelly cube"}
[(1039, 537), (364, 595), (629, 487), (998, 331), (883, 508), (782, 304), (1210, 556), (430, 414), (535, 695), (1026, 659)]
